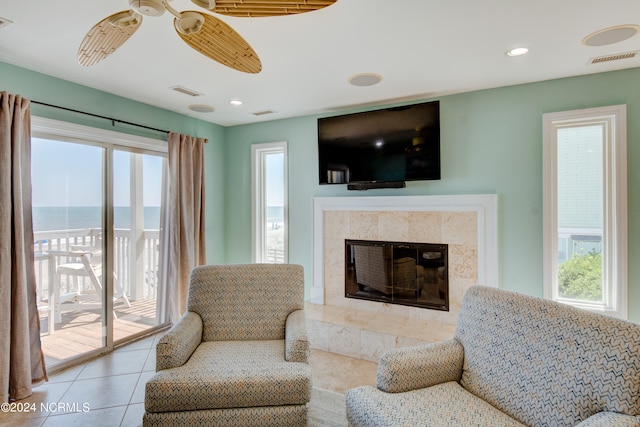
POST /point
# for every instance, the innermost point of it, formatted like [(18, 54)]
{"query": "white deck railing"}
[(137, 275)]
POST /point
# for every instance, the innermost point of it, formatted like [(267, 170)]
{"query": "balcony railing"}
[(135, 272)]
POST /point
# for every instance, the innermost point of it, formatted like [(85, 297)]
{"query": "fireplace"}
[(365, 329), (467, 224), (404, 273)]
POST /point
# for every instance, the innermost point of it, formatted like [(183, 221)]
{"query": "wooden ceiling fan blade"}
[(107, 36), (257, 8), (218, 41)]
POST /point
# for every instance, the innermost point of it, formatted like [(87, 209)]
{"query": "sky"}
[(275, 179), (69, 174)]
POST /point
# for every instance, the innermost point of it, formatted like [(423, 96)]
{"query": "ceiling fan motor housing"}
[(148, 7)]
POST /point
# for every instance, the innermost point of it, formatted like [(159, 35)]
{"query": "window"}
[(585, 208), (269, 202)]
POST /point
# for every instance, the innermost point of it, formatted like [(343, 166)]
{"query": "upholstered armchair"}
[(515, 360), (239, 355)]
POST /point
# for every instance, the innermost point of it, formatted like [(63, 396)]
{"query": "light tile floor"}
[(109, 391)]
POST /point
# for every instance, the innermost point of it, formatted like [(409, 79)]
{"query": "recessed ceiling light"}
[(236, 102), (365, 79), (611, 35), (201, 108), (518, 51)]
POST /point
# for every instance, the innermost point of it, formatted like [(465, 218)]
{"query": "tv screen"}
[(390, 145)]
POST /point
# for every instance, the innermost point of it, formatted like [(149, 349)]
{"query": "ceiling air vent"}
[(614, 57), (262, 113), (185, 91)]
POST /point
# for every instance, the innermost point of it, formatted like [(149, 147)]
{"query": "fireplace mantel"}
[(485, 207)]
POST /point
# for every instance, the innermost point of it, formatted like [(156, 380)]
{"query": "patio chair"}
[(81, 262), (239, 355)]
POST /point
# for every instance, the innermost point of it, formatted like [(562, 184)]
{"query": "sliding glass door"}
[(69, 229), (137, 192), (96, 210)]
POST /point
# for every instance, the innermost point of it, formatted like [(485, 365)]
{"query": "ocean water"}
[(74, 217), (71, 218)]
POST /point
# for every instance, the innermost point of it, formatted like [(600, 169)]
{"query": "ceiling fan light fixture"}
[(148, 7), (189, 22), (207, 4)]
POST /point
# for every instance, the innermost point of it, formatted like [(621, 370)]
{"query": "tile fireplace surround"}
[(365, 329)]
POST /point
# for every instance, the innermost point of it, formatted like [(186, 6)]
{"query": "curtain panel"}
[(21, 358), (183, 234)]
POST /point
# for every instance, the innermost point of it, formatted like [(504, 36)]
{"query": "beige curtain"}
[(183, 238), (21, 359)]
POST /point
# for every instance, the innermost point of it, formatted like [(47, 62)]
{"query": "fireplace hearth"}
[(413, 274)]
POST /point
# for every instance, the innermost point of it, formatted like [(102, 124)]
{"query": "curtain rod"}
[(100, 117)]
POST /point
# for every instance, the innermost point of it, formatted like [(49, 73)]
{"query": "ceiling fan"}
[(202, 31)]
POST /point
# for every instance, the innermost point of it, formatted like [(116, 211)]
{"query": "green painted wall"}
[(491, 143), (51, 90)]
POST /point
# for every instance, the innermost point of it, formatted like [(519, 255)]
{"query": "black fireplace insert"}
[(414, 274)]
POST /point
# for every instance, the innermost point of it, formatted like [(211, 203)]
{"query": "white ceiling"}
[(422, 49)]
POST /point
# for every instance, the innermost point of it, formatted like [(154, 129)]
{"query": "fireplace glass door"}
[(412, 274)]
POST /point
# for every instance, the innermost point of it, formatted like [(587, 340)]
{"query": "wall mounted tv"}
[(380, 148)]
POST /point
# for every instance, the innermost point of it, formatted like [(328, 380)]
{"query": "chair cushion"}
[(231, 374), (442, 405)]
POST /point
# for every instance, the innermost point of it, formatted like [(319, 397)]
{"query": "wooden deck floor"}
[(81, 331)]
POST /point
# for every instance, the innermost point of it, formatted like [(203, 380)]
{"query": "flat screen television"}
[(387, 146)]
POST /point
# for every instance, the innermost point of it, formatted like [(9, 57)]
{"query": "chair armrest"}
[(608, 419), (412, 368), (177, 345), (296, 338)]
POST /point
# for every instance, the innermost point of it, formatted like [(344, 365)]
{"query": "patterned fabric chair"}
[(239, 355), (514, 360)]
